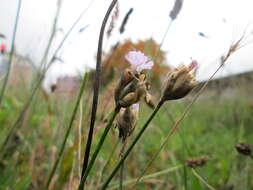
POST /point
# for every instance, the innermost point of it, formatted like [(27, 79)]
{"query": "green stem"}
[(98, 148), (121, 176), (202, 179), (68, 131), (132, 145), (96, 88), (11, 53), (153, 175)]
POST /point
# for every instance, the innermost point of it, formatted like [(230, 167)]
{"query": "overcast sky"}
[(221, 21)]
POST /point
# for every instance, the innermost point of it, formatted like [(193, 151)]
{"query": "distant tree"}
[(115, 59)]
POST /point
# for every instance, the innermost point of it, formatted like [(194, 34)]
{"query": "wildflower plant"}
[(132, 87), (179, 83)]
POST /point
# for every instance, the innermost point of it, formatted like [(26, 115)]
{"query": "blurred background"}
[(203, 31)]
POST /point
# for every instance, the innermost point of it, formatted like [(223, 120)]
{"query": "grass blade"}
[(11, 53), (96, 87), (84, 82)]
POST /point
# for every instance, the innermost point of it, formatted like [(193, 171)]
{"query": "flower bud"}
[(179, 82), (126, 77), (127, 120), (133, 91), (133, 86)]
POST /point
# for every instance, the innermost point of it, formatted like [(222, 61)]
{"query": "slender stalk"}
[(96, 88), (104, 186), (163, 39), (98, 148), (53, 32), (121, 176), (79, 133), (202, 179), (11, 53), (37, 85), (108, 162), (110, 157), (153, 175), (68, 131)]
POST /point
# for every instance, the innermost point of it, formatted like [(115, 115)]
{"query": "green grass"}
[(213, 127)]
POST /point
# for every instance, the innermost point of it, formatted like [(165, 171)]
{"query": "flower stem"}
[(96, 89), (121, 176), (11, 53), (104, 186), (98, 148)]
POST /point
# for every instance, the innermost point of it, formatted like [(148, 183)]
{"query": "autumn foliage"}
[(115, 59)]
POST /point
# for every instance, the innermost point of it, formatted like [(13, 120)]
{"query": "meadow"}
[(134, 122), (214, 126)]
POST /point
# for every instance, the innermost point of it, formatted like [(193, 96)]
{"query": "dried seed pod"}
[(244, 149), (197, 162), (132, 91), (149, 100), (126, 121), (126, 77), (128, 100), (179, 82)]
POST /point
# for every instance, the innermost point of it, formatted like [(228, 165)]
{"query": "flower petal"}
[(138, 60)]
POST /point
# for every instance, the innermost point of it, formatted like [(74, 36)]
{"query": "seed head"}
[(244, 149), (126, 121), (197, 162), (179, 82)]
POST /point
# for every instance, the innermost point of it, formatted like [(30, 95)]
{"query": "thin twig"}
[(11, 53), (96, 88)]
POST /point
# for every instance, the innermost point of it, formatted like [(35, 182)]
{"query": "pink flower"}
[(193, 65), (139, 61)]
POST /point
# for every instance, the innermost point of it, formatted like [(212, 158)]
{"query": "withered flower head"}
[(197, 162), (127, 120), (179, 82), (244, 149), (133, 85)]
